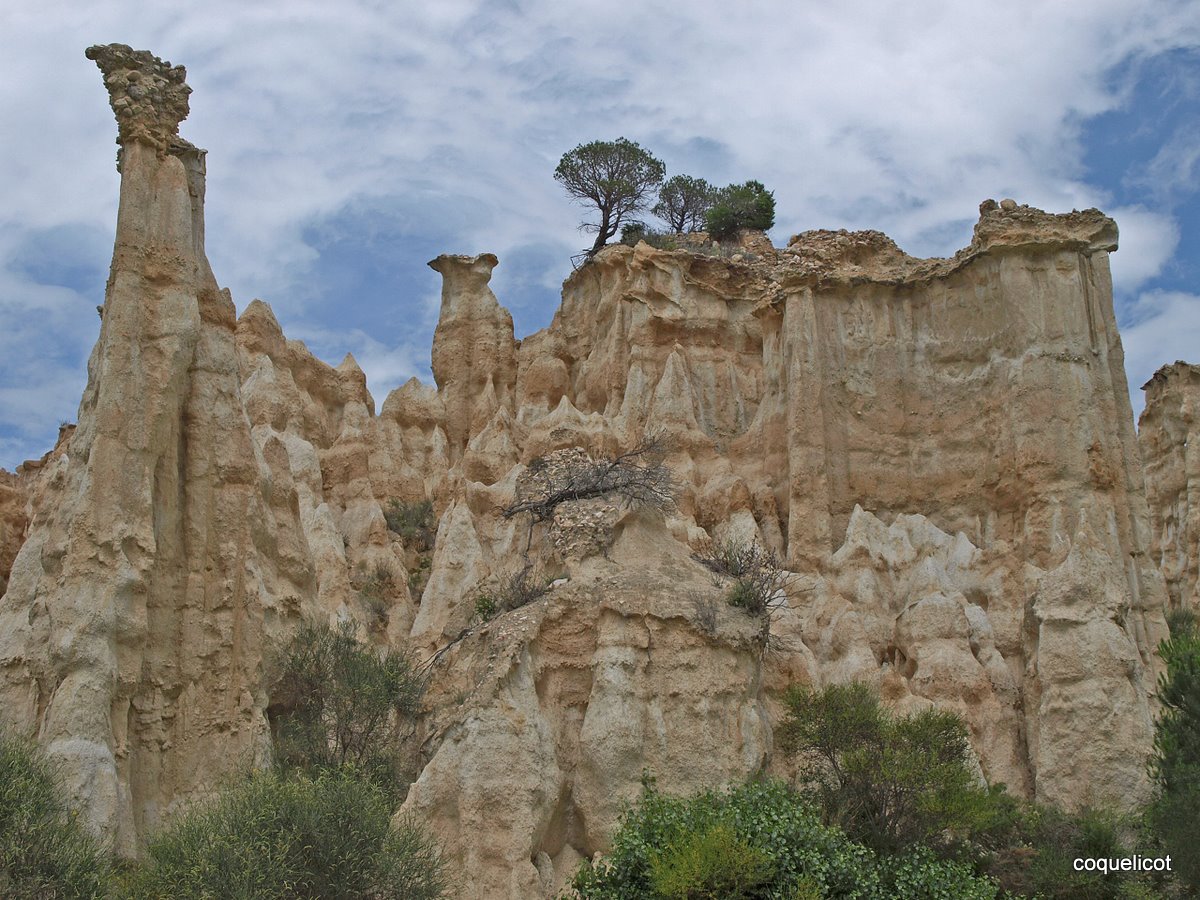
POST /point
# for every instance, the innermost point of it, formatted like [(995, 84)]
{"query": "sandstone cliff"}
[(941, 450), (1169, 434), (132, 630)]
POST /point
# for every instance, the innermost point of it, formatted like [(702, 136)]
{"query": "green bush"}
[(714, 863), (738, 206), (413, 522), (1175, 766), (763, 840), (337, 703), (1039, 859), (44, 852), (889, 782), (272, 836)]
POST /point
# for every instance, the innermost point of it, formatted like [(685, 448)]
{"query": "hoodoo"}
[(941, 451)]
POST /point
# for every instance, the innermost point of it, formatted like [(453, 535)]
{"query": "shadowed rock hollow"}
[(942, 451)]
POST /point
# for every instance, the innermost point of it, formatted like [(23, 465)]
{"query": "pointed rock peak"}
[(260, 311), (258, 330), (349, 366), (673, 401), (566, 411), (147, 95)]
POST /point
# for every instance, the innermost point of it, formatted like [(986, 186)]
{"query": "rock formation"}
[(132, 630), (942, 451), (1169, 435)]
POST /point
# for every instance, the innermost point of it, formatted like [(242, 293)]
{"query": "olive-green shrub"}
[(44, 851), (337, 702), (292, 836), (759, 840)]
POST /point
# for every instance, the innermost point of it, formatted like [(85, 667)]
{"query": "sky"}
[(351, 142)]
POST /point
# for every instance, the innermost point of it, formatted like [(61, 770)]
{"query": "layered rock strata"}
[(941, 450)]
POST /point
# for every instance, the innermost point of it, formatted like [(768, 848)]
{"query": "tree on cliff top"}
[(617, 177), (683, 202), (748, 205)]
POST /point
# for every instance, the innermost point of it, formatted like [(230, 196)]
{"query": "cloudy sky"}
[(350, 142)]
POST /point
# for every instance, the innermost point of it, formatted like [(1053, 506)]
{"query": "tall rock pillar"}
[(131, 634)]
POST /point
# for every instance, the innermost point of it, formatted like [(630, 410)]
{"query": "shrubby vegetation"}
[(337, 703), (1176, 762), (637, 231), (318, 825), (887, 807), (759, 840), (44, 851), (510, 591), (293, 836), (889, 782), (759, 578), (737, 206), (413, 522)]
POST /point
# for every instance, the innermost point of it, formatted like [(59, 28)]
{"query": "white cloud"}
[(1165, 327), (1148, 240)]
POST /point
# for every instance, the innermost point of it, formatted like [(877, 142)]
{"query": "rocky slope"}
[(942, 451)]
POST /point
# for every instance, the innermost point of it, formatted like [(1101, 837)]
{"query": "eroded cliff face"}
[(133, 626), (1169, 434), (941, 450)]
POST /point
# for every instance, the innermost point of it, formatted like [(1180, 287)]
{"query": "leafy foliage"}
[(683, 202), (618, 178), (1038, 859), (889, 782), (714, 863), (759, 840), (338, 703), (413, 522), (44, 852), (273, 836), (748, 205), (1176, 762)]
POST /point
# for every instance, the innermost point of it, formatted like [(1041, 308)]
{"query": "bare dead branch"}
[(637, 478)]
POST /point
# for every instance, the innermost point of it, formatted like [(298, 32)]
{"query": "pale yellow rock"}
[(133, 629), (1169, 437), (940, 451)]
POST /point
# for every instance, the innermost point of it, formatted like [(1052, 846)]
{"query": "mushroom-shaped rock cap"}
[(147, 95), (481, 265)]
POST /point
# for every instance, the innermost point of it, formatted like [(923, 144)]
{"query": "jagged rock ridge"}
[(942, 450)]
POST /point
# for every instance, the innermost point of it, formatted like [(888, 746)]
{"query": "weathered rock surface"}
[(941, 450), (133, 626), (1169, 435)]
